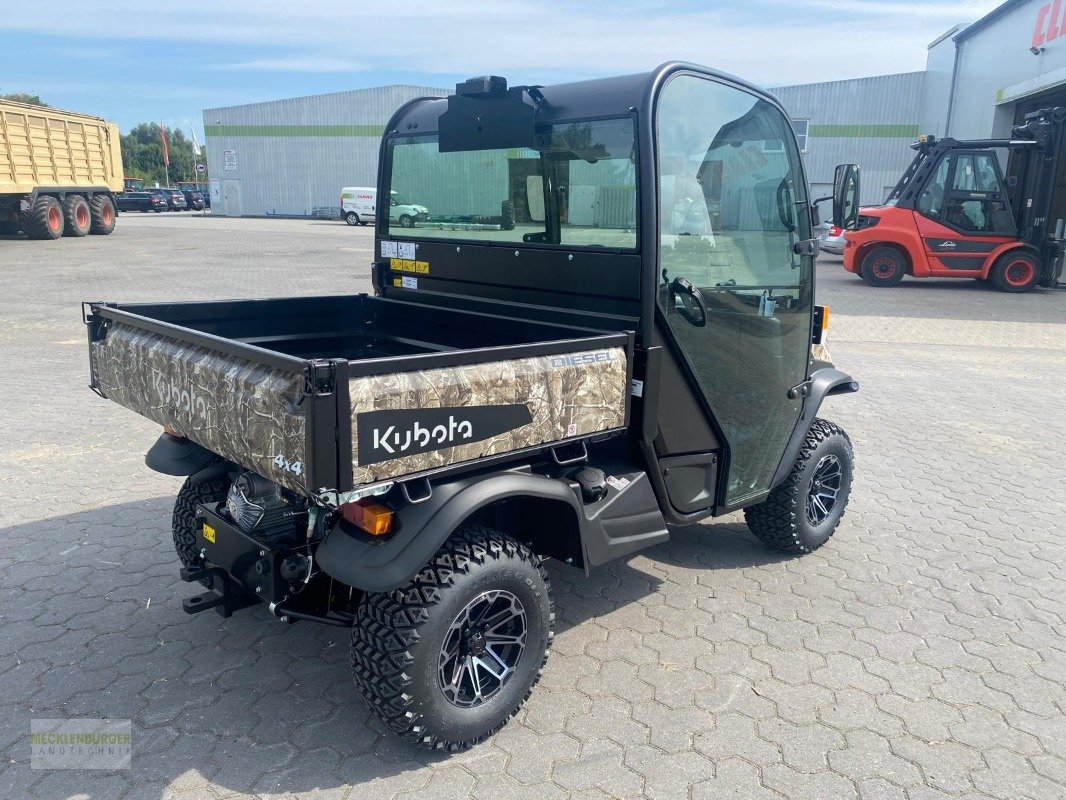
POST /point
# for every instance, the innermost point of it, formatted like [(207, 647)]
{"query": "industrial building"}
[(291, 157), (980, 80)]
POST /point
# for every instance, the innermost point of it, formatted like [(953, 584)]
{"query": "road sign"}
[(201, 168)]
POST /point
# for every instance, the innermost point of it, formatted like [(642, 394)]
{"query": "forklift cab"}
[(672, 204)]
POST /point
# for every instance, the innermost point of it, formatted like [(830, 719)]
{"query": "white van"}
[(359, 206)]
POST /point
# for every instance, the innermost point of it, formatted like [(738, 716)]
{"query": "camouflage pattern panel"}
[(247, 413), (409, 422)]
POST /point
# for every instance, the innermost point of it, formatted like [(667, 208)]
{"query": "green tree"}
[(24, 97), (142, 155)]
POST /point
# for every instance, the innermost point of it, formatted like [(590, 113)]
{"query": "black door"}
[(734, 305)]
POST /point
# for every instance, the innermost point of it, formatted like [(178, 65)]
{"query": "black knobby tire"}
[(44, 220), (76, 215), (783, 520), (883, 266), (351, 218), (1016, 271), (102, 209), (398, 639), (183, 521)]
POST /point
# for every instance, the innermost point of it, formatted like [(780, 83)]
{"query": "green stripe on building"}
[(294, 130), (863, 131)]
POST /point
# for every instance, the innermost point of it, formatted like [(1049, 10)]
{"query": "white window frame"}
[(801, 138)]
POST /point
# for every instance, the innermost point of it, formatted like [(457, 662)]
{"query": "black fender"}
[(823, 383), (175, 455), (424, 527), (621, 522)]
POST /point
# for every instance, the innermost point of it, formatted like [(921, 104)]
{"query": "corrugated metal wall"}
[(867, 121), (288, 157)]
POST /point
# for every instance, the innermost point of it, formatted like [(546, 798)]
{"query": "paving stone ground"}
[(920, 655)]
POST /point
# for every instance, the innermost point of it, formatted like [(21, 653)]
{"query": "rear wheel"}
[(44, 220), (76, 216), (103, 215), (883, 266), (351, 218), (447, 659), (803, 512), (1017, 271), (183, 520)]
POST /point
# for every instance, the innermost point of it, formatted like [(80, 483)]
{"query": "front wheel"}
[(407, 221), (803, 512), (883, 266), (447, 659), (1017, 271)]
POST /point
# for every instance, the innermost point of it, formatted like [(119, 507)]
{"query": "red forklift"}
[(953, 215)]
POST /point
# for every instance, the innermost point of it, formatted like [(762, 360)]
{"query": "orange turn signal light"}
[(825, 318), (373, 518)]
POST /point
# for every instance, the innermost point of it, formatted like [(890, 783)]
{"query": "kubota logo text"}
[(386, 434)]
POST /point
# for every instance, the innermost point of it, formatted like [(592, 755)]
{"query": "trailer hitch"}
[(224, 594)]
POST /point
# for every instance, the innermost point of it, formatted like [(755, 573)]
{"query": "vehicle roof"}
[(588, 99)]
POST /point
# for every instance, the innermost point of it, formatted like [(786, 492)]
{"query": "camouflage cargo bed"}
[(332, 393)]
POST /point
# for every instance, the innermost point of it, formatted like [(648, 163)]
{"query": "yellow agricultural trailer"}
[(59, 172)]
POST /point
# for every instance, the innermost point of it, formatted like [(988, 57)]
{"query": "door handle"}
[(691, 301)]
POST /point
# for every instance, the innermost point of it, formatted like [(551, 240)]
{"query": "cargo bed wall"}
[(249, 413), (411, 422)]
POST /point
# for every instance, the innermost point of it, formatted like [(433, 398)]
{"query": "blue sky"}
[(138, 61)]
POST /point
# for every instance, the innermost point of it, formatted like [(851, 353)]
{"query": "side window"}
[(974, 203), (931, 200)]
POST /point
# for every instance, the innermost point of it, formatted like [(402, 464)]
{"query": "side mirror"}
[(846, 196)]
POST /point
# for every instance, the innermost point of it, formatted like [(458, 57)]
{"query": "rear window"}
[(576, 188)]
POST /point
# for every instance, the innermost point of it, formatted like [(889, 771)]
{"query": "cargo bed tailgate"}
[(250, 412)]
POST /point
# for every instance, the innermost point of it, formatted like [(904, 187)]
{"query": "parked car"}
[(194, 200), (174, 199), (832, 239), (359, 206), (140, 201)]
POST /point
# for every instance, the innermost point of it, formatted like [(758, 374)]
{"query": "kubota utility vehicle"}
[(952, 214), (560, 361)]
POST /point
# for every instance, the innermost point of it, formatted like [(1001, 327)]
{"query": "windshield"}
[(577, 188)]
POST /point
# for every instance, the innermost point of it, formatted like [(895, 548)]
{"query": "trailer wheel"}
[(44, 220), (103, 215), (76, 215), (351, 218), (183, 520), (447, 659), (1017, 271), (407, 221), (883, 266), (803, 512)]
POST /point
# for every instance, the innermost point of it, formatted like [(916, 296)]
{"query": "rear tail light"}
[(834, 231), (371, 517)]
